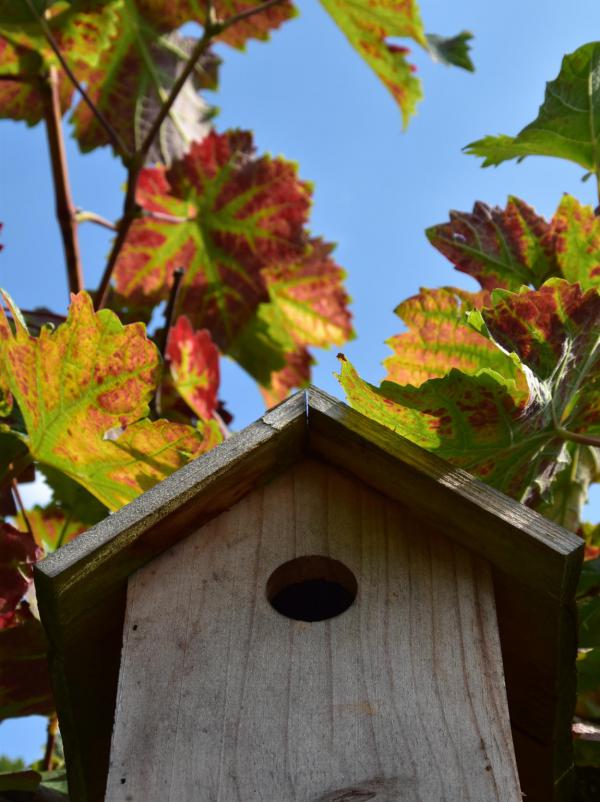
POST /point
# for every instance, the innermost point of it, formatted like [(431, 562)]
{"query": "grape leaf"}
[(451, 50), (588, 614), (18, 552), (51, 527), (25, 687), (239, 234), (132, 78), (82, 29), (575, 232), (22, 98), (173, 15), (369, 27), (439, 338), (294, 373), (485, 422), (588, 670), (568, 120), (499, 248), (194, 364), (569, 491), (83, 391), (309, 295), (590, 577)]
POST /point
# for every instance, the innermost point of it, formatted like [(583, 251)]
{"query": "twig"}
[(50, 743), (163, 339), (65, 210), (114, 137), (222, 425), (130, 208), (21, 507), (92, 217), (575, 437)]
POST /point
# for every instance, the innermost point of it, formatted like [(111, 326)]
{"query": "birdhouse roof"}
[(536, 563)]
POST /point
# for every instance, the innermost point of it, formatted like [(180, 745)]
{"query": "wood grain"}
[(399, 699)]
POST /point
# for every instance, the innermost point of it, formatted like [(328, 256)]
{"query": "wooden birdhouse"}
[(316, 611)]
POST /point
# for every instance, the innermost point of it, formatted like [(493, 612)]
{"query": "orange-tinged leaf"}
[(51, 527), (508, 432), (295, 373), (575, 232), (311, 298), (194, 365), (439, 338), (83, 391)]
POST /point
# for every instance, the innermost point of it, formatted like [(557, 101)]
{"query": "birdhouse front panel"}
[(314, 643)]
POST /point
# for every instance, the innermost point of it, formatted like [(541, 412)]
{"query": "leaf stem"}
[(65, 210), (50, 743), (178, 274), (21, 507), (575, 437), (114, 137), (137, 162), (92, 217)]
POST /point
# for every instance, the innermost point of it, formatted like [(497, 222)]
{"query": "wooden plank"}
[(480, 518), (80, 584), (399, 699)]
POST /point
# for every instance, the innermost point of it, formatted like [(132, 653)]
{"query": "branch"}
[(113, 136), (178, 274), (65, 210), (575, 437), (130, 209), (92, 217), (50, 743)]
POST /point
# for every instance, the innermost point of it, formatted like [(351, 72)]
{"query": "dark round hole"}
[(311, 588)]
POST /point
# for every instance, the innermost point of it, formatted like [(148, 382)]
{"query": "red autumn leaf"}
[(499, 248), (240, 214), (194, 365), (25, 688), (295, 373), (18, 552)]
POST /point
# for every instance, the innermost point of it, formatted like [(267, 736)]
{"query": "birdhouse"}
[(315, 611)]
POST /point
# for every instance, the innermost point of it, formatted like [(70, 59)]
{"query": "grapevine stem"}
[(21, 507), (50, 743), (575, 437), (114, 137), (65, 210), (136, 164)]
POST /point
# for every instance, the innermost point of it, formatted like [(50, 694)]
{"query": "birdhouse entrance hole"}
[(311, 588)]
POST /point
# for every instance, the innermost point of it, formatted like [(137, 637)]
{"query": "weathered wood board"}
[(399, 699)]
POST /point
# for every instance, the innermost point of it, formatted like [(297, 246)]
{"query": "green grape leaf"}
[(18, 552), (51, 527), (25, 687), (487, 423), (83, 391), (497, 247), (451, 50), (133, 77), (194, 365), (439, 338), (369, 27), (73, 500), (568, 120), (575, 232), (569, 492), (236, 224), (81, 29)]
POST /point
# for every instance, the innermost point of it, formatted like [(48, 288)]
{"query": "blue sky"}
[(309, 97)]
